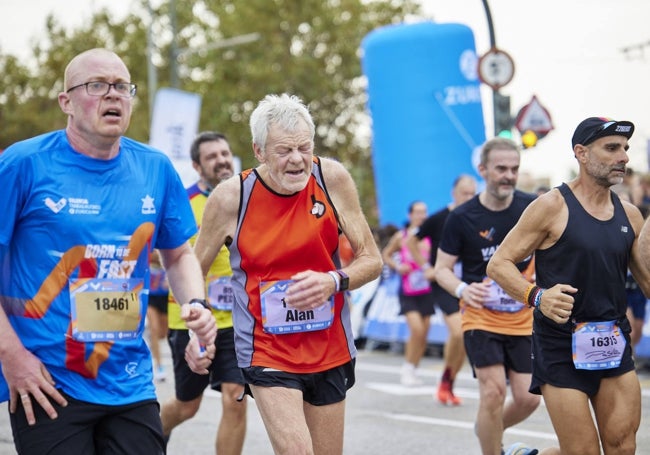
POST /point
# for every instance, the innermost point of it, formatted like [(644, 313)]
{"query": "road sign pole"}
[(493, 44)]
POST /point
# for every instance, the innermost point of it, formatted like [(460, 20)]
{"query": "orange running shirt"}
[(278, 236)]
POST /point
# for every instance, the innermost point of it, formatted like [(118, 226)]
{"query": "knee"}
[(234, 410), (623, 442), (292, 443), (493, 396), (418, 332), (229, 400), (187, 409), (528, 401)]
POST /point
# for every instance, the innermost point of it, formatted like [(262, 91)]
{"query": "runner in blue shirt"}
[(82, 209)]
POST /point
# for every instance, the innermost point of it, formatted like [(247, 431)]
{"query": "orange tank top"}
[(278, 236)]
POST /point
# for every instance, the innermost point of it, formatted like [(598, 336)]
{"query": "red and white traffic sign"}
[(496, 68), (534, 117)]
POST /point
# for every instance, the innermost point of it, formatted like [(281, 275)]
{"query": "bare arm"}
[(640, 259), (392, 247), (413, 243), (472, 293), (183, 272), (539, 226), (313, 288), (444, 271), (186, 282), (219, 222), (366, 263)]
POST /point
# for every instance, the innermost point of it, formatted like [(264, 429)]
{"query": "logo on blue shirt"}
[(55, 206), (148, 208)]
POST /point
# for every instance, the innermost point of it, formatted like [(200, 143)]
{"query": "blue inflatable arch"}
[(427, 118)]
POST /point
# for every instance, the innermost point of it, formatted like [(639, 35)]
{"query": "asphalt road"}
[(382, 417)]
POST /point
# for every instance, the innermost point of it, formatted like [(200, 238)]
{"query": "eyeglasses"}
[(100, 88)]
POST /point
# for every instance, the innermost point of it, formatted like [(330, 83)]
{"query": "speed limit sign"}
[(496, 68)]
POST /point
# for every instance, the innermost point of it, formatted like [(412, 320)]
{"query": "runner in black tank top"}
[(584, 239)]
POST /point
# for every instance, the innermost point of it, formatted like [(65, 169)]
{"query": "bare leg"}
[(523, 402), (326, 425), (617, 406), (174, 412), (232, 427), (415, 347), (454, 353), (417, 343), (571, 417), (283, 414), (489, 419)]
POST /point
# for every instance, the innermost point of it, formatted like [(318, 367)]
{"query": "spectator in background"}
[(644, 183), (542, 189), (630, 188), (463, 189), (416, 299)]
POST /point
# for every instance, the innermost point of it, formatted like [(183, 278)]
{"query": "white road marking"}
[(459, 424)]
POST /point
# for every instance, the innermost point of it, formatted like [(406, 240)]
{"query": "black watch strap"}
[(202, 302), (345, 280)]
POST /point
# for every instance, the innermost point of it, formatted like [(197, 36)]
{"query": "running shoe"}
[(159, 374), (519, 448), (446, 396), (408, 377)]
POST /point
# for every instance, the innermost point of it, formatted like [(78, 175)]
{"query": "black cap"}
[(596, 127)]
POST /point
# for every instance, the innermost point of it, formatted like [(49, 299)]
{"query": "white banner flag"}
[(174, 124)]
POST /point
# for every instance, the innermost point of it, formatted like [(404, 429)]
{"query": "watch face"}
[(345, 281)]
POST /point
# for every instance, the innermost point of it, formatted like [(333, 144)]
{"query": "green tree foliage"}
[(310, 48)]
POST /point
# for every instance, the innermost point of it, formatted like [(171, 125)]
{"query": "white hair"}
[(283, 110)]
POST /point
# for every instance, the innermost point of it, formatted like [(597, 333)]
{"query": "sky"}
[(568, 53)]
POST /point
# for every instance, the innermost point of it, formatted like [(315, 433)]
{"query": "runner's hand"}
[(30, 383), (199, 358), (557, 302), (200, 321)]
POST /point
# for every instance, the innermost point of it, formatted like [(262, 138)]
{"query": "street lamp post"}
[(177, 54)]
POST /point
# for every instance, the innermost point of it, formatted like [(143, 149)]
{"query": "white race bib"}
[(597, 345), (280, 318)]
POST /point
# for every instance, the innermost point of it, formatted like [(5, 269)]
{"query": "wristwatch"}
[(345, 281), (202, 302)]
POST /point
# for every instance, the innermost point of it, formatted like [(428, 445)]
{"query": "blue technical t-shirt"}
[(75, 240)]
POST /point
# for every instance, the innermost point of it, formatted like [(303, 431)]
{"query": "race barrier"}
[(382, 322)]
